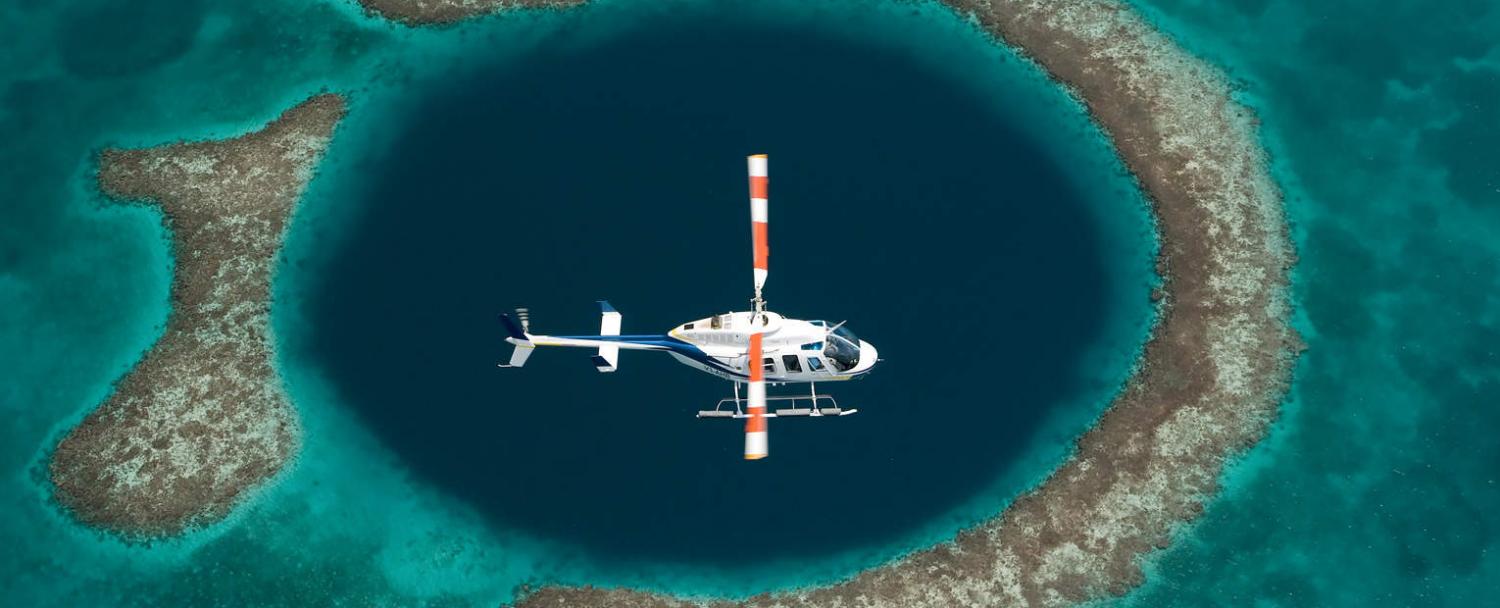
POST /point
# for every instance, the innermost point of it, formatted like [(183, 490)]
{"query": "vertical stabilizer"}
[(515, 326)]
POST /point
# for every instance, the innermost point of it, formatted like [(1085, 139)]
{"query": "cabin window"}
[(814, 364), (688, 326), (770, 365), (792, 365), (813, 346)]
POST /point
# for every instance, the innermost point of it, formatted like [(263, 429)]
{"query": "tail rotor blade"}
[(755, 424), (759, 217)]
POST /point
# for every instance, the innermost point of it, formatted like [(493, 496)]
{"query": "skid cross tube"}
[(832, 410)]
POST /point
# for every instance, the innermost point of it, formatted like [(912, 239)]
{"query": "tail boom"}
[(609, 342)]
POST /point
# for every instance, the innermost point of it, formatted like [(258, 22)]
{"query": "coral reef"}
[(202, 418)]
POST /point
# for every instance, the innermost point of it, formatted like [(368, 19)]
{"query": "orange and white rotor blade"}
[(755, 424), (759, 191)]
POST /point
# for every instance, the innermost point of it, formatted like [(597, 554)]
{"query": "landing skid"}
[(812, 399)]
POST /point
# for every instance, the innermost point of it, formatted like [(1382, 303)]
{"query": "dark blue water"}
[(900, 202)]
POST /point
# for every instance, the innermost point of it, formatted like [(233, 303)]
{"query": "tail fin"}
[(518, 336), (516, 330)]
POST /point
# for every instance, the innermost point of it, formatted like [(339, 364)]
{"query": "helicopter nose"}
[(867, 357)]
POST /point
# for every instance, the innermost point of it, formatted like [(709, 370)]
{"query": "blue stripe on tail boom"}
[(665, 342)]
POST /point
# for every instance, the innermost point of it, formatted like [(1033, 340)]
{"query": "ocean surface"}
[(929, 187), (1380, 485)]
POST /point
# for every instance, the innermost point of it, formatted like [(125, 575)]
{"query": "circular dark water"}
[(899, 201)]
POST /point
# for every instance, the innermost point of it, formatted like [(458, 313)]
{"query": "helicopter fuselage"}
[(793, 350)]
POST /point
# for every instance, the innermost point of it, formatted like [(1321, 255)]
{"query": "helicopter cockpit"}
[(841, 348)]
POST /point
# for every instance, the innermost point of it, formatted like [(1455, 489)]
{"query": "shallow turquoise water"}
[(84, 288), (1381, 483)]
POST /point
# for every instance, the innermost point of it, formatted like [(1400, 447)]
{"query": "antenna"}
[(835, 328)]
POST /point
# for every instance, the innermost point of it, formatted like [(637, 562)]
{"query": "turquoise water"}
[(1377, 487), (83, 283), (1380, 485)]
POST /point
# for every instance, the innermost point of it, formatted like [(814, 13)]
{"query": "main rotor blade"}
[(759, 219), (755, 425)]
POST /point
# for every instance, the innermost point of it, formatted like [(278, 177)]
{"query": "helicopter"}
[(752, 348)]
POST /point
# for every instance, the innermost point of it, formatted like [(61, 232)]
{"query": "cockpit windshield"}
[(842, 349)]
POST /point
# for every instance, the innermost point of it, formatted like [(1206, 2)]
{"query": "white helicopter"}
[(753, 348)]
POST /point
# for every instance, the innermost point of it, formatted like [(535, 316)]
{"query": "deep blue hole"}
[(899, 201)]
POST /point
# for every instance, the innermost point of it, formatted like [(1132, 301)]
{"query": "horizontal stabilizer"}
[(608, 359)]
